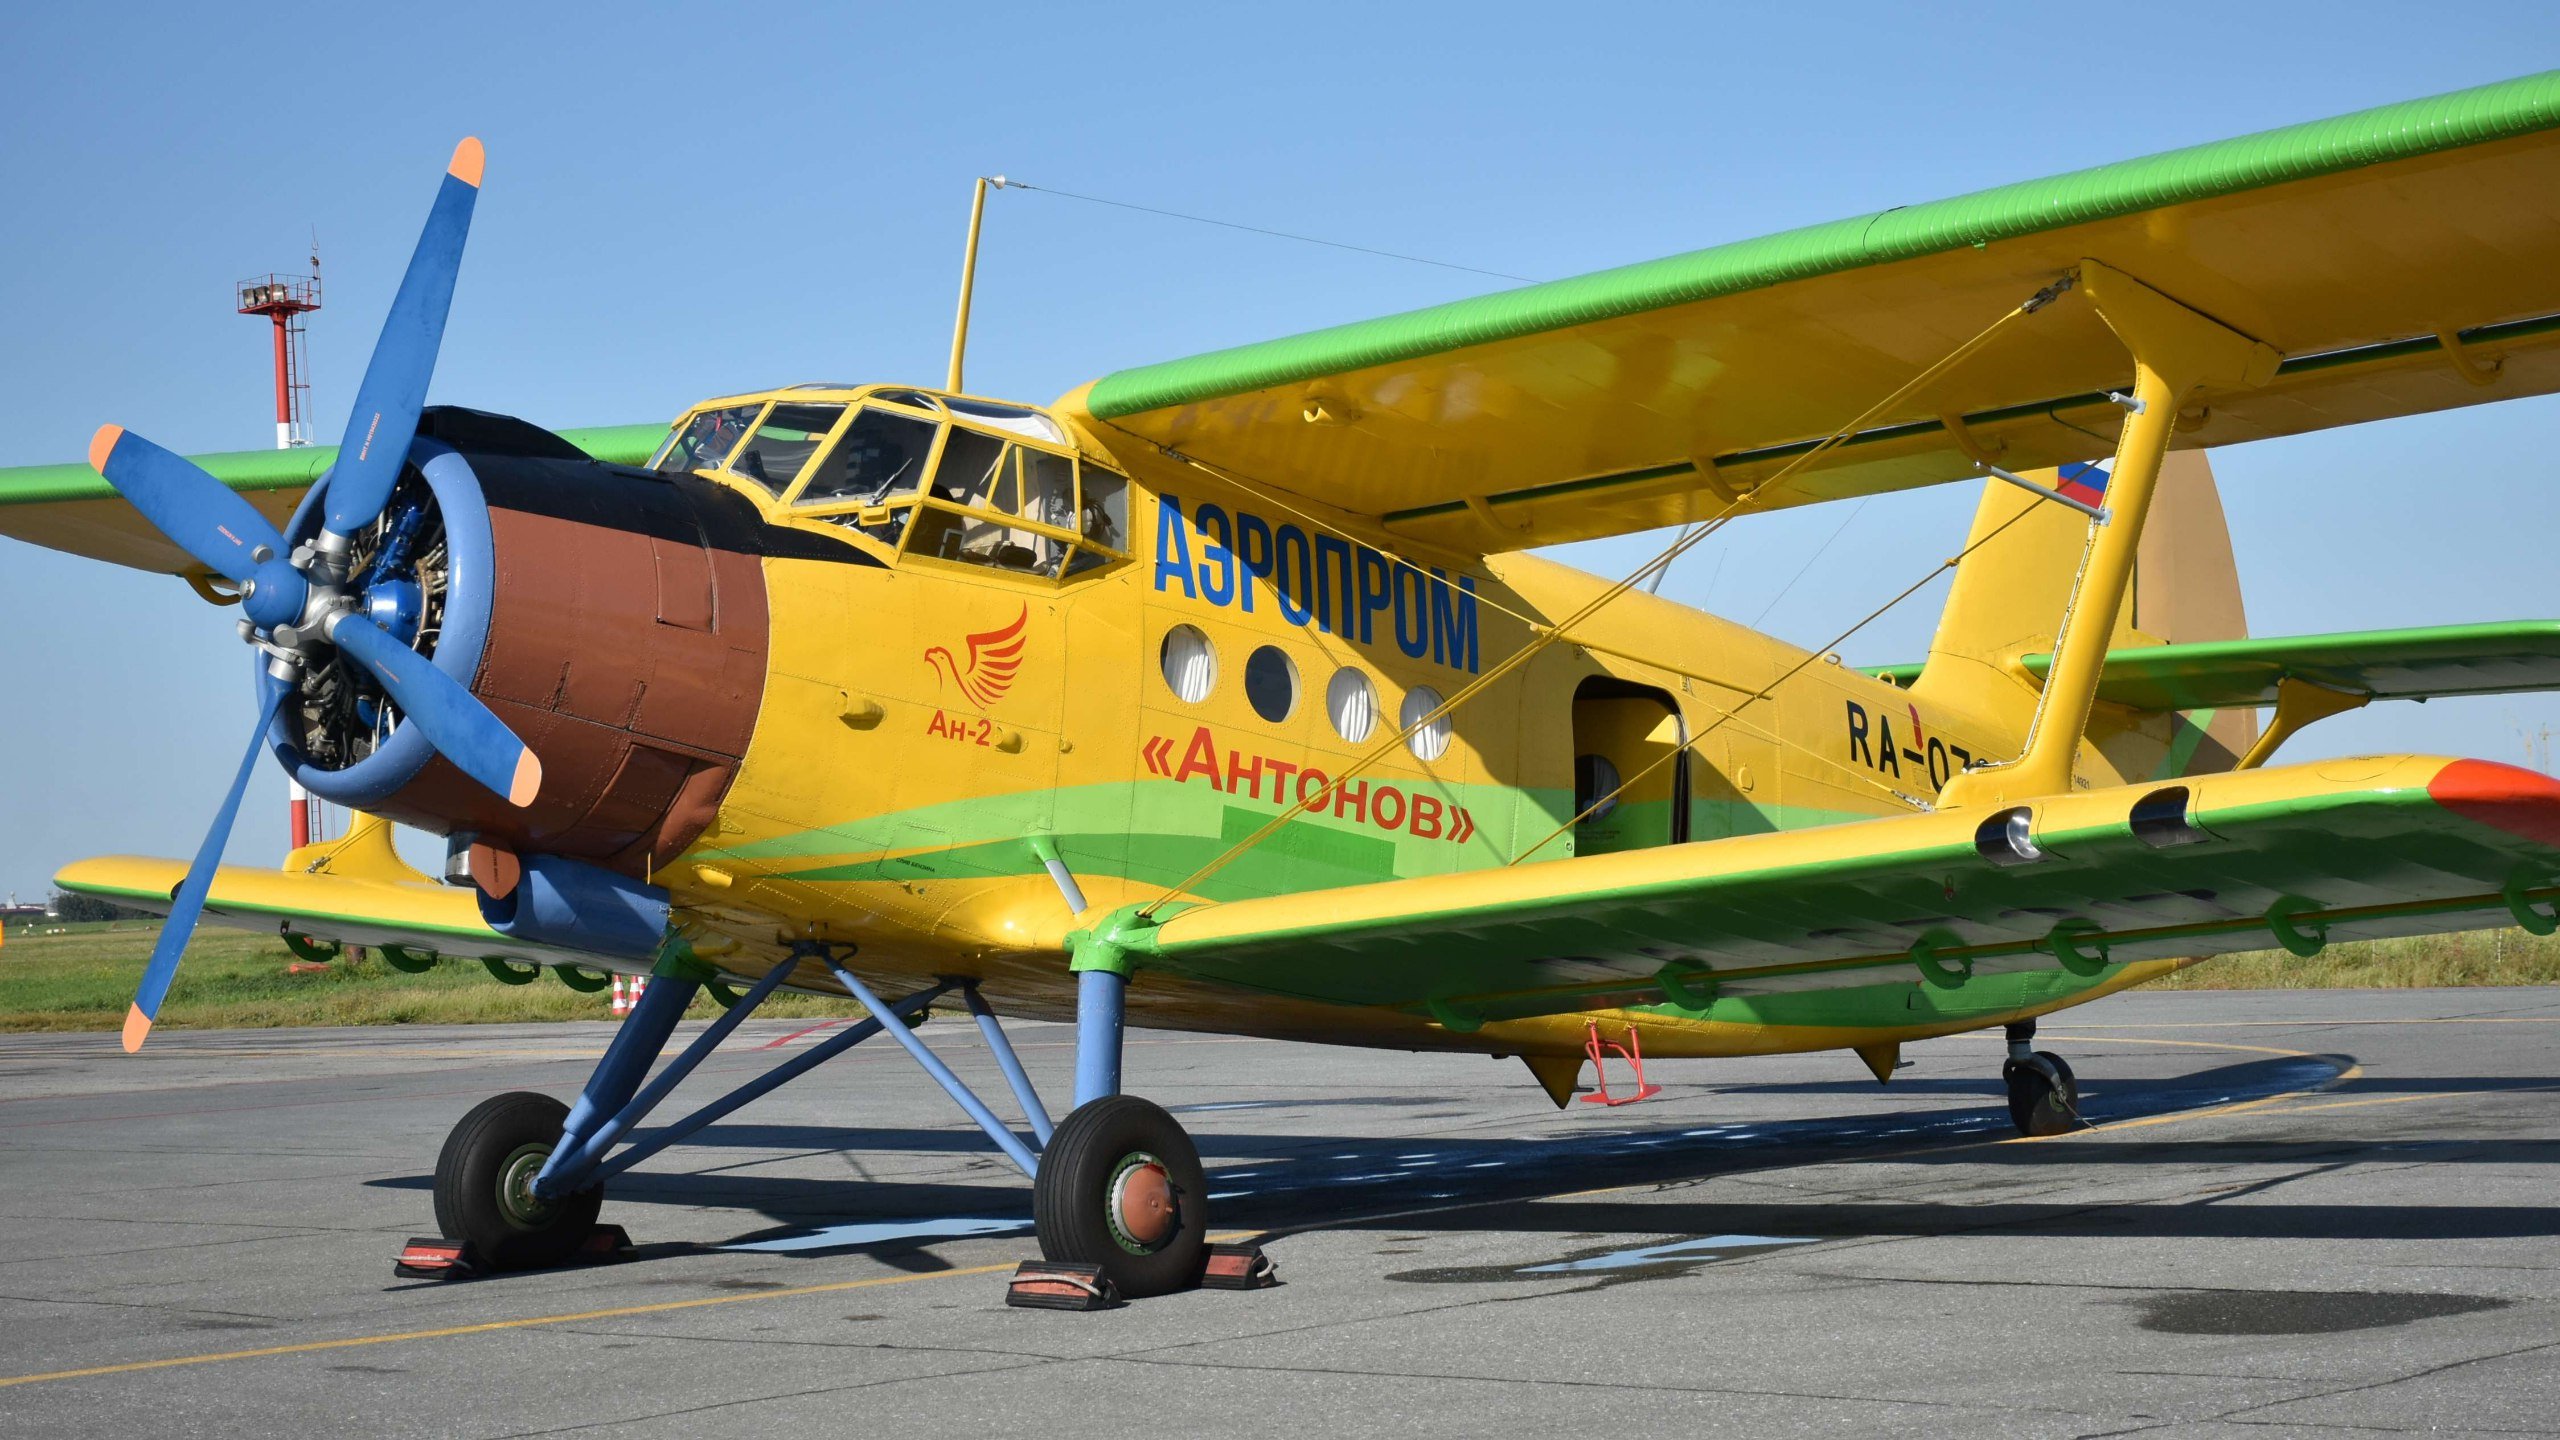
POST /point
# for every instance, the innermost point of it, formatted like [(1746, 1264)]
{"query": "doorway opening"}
[(1623, 733)]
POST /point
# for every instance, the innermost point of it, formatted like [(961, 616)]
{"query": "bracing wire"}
[(1275, 234), (1279, 501), (1765, 691), (1545, 635)]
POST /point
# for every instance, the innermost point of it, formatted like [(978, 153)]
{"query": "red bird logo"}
[(994, 656)]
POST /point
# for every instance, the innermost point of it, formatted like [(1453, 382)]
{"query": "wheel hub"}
[(1141, 1209), (515, 1187)]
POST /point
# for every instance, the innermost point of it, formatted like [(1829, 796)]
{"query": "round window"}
[(1432, 740), (1271, 683), (1190, 666), (1352, 702)]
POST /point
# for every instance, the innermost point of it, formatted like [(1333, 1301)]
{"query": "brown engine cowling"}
[(613, 618)]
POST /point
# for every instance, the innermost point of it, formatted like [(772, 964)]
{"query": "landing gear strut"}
[(1117, 1186), (2044, 1097)]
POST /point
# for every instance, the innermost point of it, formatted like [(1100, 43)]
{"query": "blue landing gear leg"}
[(489, 1190), (1120, 1184)]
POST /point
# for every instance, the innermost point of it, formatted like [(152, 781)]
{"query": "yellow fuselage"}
[(895, 799)]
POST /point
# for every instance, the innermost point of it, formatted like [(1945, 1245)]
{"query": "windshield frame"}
[(893, 527)]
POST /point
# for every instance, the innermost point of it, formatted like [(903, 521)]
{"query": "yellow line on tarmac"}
[(489, 1326)]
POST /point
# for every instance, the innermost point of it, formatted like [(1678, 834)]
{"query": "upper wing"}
[(73, 508), (2402, 259), (2347, 848)]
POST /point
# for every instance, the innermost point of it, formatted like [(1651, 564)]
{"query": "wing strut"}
[(2298, 703), (2175, 350)]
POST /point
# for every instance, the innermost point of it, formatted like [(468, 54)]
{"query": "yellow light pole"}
[(969, 276)]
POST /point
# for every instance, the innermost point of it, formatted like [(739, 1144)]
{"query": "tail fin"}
[(2008, 601)]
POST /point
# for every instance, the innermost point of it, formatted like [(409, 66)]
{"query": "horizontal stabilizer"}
[(2507, 657), (2503, 657)]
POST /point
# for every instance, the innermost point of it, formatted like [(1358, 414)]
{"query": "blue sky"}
[(688, 201)]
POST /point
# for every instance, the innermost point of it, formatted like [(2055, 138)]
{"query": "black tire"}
[(480, 1179), (2044, 1096), (1094, 1167)]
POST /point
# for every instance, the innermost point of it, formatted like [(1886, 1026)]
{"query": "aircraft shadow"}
[(1277, 1178)]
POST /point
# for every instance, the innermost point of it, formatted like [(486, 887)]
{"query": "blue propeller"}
[(205, 518), (395, 380), (295, 610), (188, 904), (461, 728)]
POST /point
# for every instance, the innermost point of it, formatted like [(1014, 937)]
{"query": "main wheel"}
[(1120, 1186), (484, 1185), (2044, 1096)]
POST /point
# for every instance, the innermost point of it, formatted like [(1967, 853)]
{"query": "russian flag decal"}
[(2084, 483)]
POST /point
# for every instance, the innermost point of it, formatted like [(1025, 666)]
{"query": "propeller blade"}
[(199, 514), (188, 906), (461, 728), (385, 418)]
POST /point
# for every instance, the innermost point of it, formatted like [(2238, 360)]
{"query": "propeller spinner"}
[(297, 607)]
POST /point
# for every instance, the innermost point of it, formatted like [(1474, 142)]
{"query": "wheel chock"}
[(1239, 1267), (1056, 1285), (433, 1257), (604, 1243)]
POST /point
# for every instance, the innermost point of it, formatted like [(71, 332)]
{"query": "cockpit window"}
[(1103, 517), (1015, 419), (1001, 505), (916, 398), (970, 469), (881, 458), (704, 441), (1000, 488), (775, 454)]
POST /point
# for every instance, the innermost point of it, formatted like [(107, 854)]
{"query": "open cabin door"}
[(1626, 739)]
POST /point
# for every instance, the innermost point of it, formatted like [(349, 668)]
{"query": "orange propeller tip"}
[(527, 782), (137, 1028), (467, 160), (103, 444)]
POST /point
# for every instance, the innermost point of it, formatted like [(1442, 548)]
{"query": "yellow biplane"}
[(1221, 695)]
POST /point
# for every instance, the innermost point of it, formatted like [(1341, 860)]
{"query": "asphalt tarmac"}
[(2315, 1213)]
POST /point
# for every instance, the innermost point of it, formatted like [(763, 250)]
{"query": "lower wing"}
[(354, 891), (2339, 849)]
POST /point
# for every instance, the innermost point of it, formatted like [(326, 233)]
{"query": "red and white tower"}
[(284, 300)]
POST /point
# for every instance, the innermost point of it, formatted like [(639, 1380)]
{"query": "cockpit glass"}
[(1018, 419), (1104, 518), (706, 440), (969, 469), (781, 446), (881, 458)]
